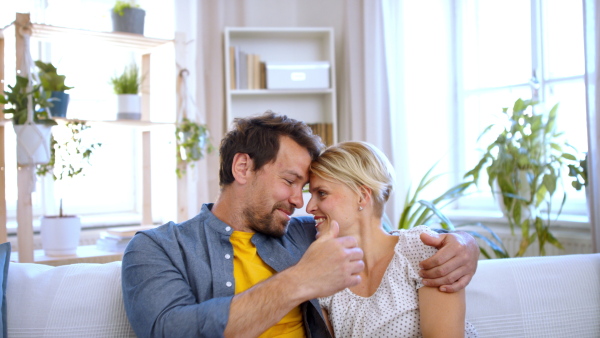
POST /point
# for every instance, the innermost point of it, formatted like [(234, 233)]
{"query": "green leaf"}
[(550, 183), (439, 214)]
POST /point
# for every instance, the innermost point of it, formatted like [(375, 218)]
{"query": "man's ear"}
[(242, 167)]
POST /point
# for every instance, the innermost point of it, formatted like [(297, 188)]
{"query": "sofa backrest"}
[(78, 300), (552, 296)]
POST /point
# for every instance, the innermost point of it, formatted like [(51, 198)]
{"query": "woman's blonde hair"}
[(357, 164)]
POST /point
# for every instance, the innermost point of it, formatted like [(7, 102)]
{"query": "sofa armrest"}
[(78, 300), (552, 296)]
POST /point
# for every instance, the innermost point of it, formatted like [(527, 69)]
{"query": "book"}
[(243, 70), (128, 231), (112, 243), (232, 55)]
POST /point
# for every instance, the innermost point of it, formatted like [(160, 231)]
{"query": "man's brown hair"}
[(258, 136)]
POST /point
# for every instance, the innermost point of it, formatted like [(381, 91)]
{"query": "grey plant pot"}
[(132, 21)]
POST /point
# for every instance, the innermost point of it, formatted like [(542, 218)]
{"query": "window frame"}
[(462, 210)]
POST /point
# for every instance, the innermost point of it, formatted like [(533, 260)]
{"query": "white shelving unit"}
[(289, 45), (140, 44)]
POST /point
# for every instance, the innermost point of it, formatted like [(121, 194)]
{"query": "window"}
[(509, 49), (110, 192)]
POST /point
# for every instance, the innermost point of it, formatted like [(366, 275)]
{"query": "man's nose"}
[(296, 199)]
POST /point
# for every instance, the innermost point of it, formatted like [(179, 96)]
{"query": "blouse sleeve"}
[(414, 251), (325, 303)]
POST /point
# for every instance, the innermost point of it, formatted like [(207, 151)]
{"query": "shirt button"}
[(228, 229), (228, 284), (227, 256)]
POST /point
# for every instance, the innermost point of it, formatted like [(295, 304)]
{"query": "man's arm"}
[(455, 263), (329, 265), (159, 301), (158, 298)]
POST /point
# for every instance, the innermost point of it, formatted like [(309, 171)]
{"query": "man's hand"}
[(330, 264), (453, 266)]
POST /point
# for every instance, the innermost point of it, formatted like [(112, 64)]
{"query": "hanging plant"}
[(17, 98), (68, 153), (192, 141)]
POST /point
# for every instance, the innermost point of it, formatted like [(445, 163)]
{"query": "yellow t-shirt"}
[(248, 270)]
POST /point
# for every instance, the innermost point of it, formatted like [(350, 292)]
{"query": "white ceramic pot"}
[(33, 143), (60, 235), (129, 107)]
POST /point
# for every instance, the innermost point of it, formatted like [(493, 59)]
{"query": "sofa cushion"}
[(553, 296), (4, 261), (78, 300)]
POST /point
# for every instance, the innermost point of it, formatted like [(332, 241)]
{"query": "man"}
[(244, 266)]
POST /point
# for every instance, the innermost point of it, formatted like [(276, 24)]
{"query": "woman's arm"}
[(442, 314)]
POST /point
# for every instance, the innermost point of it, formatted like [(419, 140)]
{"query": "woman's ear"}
[(241, 167), (364, 196)]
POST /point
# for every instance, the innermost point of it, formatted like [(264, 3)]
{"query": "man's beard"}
[(265, 223)]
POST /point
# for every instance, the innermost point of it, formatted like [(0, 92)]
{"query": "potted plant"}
[(127, 86), (54, 87), (69, 155), (128, 17), (32, 128), (417, 211), (192, 140), (524, 165)]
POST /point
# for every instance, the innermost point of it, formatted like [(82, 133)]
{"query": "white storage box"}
[(298, 76)]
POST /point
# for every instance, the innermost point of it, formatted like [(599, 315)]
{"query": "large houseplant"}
[(70, 156), (32, 129), (524, 164), (127, 86), (417, 211), (54, 87)]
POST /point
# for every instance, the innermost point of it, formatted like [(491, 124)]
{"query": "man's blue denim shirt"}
[(178, 278)]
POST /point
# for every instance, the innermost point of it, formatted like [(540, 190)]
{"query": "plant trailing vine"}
[(69, 154), (192, 142)]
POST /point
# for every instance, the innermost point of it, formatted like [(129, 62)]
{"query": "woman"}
[(350, 183)]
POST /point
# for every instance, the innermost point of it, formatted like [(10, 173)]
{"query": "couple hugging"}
[(244, 267)]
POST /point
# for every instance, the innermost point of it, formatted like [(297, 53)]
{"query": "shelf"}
[(280, 91), (118, 39), (291, 45), (132, 123)]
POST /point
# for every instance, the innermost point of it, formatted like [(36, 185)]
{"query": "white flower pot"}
[(60, 235), (129, 107), (33, 143)]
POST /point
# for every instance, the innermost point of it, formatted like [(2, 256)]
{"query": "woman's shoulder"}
[(414, 232), (410, 244)]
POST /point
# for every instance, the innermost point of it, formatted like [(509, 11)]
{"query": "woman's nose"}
[(311, 207)]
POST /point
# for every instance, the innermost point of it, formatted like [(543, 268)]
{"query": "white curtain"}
[(592, 39), (364, 93)]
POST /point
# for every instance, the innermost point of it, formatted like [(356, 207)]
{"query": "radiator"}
[(573, 242)]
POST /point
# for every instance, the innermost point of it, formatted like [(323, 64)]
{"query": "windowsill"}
[(567, 223), (97, 221)]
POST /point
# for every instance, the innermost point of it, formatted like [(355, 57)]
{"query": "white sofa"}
[(557, 296)]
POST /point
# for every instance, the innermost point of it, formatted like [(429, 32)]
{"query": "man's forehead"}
[(293, 158)]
